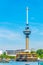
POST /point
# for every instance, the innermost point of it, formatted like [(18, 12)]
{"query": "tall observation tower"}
[(27, 31), (23, 55)]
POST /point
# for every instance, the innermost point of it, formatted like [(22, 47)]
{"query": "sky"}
[(13, 22)]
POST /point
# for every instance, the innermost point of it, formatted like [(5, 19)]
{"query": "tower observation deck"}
[(27, 31)]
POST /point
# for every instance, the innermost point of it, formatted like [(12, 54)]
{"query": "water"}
[(22, 63)]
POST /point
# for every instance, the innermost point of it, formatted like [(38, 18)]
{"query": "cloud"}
[(5, 23), (41, 33), (32, 18), (36, 24), (9, 35), (36, 28)]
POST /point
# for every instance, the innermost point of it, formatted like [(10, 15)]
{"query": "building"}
[(10, 52), (13, 52)]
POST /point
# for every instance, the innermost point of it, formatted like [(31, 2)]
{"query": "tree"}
[(39, 51)]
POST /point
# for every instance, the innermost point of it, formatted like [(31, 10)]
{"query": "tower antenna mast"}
[(27, 15)]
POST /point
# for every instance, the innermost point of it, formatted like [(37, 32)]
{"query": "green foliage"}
[(33, 52), (40, 53), (6, 56), (11, 57)]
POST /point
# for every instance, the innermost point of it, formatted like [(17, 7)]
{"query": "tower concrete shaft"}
[(27, 42)]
